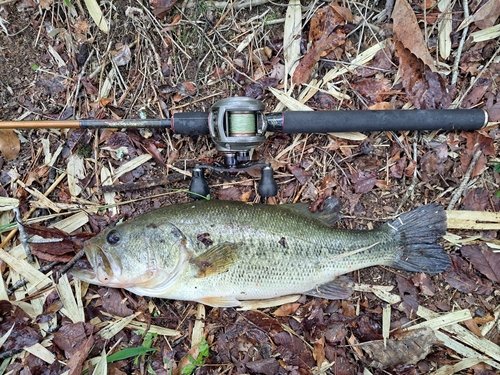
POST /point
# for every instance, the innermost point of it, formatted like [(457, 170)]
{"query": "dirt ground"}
[(151, 60)]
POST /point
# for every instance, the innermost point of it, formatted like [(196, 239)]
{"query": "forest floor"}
[(128, 59)]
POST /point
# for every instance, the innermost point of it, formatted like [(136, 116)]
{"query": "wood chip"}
[(386, 323), (462, 365), (38, 350), (444, 320), (76, 171), (25, 269), (131, 165), (7, 204), (114, 327), (199, 325), (71, 308), (473, 220), (291, 36)]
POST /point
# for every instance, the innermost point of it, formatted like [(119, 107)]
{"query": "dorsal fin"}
[(329, 215)]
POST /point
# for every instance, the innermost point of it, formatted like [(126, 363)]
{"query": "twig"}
[(461, 188), (71, 263), (460, 45), (414, 180), (22, 282), (23, 237)]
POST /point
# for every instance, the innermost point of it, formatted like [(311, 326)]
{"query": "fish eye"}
[(113, 237)]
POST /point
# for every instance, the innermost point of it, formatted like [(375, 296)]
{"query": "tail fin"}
[(418, 232)]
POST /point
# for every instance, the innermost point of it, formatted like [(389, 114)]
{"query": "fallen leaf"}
[(162, 7), (484, 260), (363, 181), (425, 88), (122, 56), (414, 347), (375, 89), (424, 282), (9, 144), (487, 15), (462, 279), (477, 199), (408, 33), (286, 309), (300, 174), (326, 33), (114, 303), (408, 293)]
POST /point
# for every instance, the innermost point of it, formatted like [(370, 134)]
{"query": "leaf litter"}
[(178, 56)]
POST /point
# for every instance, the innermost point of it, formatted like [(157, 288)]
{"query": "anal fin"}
[(219, 301), (339, 288)]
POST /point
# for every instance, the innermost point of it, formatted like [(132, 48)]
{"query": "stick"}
[(461, 188)]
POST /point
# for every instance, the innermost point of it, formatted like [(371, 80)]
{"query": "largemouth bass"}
[(222, 252)]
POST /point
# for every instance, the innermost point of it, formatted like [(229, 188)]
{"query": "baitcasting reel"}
[(237, 126)]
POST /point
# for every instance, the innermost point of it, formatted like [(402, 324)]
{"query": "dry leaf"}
[(363, 181), (407, 31), (409, 350), (326, 33), (425, 88), (9, 144), (487, 15), (96, 14), (484, 260)]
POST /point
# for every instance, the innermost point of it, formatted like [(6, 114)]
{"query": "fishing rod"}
[(238, 124)]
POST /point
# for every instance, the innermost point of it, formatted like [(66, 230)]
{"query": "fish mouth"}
[(98, 270)]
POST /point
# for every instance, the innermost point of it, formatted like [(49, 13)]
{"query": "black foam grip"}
[(190, 123), (396, 120)]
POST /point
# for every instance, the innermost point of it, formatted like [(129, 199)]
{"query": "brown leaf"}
[(9, 144), (460, 278), (398, 168), (300, 174), (424, 282), (475, 141), (487, 15), (326, 33), (375, 89), (75, 363), (162, 7), (113, 302), (477, 199), (232, 193), (363, 181), (408, 293), (484, 260), (425, 89), (414, 347), (407, 31), (286, 309)]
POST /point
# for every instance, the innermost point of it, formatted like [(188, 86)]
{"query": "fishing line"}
[(241, 123)]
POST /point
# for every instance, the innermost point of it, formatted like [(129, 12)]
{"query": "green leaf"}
[(68, 3), (497, 168), (188, 370), (35, 67), (129, 353)]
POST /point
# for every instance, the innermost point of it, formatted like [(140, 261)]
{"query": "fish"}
[(221, 253)]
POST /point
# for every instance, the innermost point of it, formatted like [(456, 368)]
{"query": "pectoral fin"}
[(340, 288), (216, 260)]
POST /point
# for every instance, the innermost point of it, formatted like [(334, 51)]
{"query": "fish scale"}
[(254, 251)]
